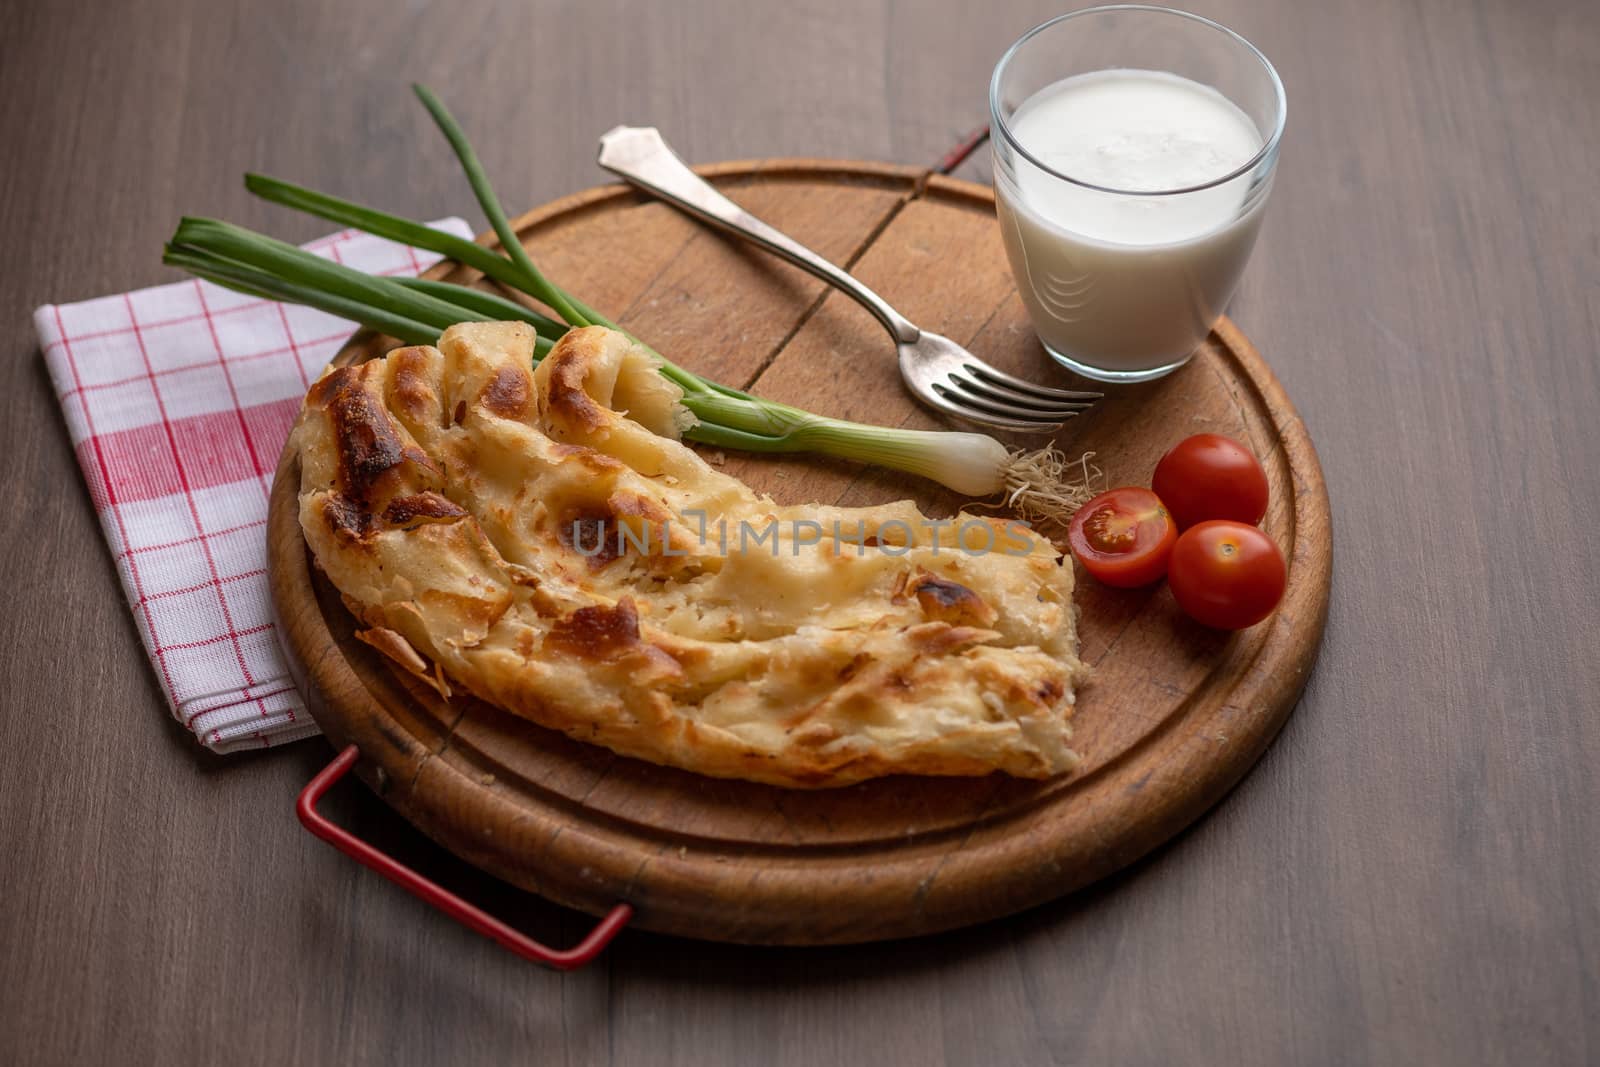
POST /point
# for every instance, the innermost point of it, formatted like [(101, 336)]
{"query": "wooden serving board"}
[(1173, 717)]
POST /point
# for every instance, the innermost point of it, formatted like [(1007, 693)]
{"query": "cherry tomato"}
[(1123, 537), (1209, 476), (1226, 574)]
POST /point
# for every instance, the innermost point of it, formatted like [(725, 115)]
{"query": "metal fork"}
[(938, 371)]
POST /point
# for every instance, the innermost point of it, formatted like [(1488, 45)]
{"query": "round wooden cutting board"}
[(1173, 716)]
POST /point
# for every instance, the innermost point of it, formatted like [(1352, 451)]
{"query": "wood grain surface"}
[(1171, 718), (1407, 877)]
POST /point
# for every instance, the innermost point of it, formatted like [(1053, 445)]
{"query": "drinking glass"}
[(1129, 310)]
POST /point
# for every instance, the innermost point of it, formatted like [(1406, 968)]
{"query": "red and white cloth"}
[(178, 400)]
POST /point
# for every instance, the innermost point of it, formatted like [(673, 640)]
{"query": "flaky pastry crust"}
[(541, 539)]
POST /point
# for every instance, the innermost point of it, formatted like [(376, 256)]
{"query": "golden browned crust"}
[(503, 527)]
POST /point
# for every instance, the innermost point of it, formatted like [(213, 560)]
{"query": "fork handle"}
[(640, 156)]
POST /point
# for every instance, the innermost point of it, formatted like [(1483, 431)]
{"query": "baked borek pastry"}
[(541, 539)]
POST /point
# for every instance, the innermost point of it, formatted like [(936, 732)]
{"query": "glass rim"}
[(1268, 146)]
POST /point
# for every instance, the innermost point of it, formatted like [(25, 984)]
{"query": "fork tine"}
[(978, 410), (1019, 403), (991, 376)]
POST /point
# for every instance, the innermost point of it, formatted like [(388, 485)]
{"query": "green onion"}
[(470, 253), (532, 281), (268, 286), (228, 242), (1039, 485), (969, 463), (537, 285), (414, 310), (497, 308), (391, 227)]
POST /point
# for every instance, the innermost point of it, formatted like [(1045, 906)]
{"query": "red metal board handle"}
[(404, 877)]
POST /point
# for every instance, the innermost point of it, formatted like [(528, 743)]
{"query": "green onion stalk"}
[(1041, 486)]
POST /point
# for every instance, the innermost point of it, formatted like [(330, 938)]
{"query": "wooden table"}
[(1408, 877)]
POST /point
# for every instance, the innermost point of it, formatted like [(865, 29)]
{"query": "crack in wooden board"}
[(722, 308), (824, 291)]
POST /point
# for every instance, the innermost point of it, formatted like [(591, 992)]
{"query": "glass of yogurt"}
[(1134, 150)]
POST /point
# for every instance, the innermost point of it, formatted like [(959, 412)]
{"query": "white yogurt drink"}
[(1134, 151)]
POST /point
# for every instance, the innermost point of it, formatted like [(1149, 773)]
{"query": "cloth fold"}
[(178, 400)]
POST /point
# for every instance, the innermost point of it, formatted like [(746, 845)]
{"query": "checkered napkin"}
[(178, 400)]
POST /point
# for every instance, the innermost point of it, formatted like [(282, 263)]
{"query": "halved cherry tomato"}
[(1226, 574), (1123, 537), (1209, 476)]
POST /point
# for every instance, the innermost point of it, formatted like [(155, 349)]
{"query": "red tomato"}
[(1123, 537), (1209, 476), (1226, 574)]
